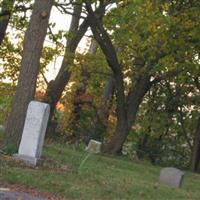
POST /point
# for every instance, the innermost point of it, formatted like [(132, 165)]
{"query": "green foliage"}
[(6, 93), (168, 117), (153, 38), (49, 55), (21, 14), (89, 71), (10, 149), (10, 56), (158, 37)]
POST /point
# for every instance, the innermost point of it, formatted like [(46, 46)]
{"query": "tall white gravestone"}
[(30, 148)]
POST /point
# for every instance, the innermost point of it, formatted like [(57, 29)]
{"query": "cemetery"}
[(70, 172), (101, 177), (99, 100)]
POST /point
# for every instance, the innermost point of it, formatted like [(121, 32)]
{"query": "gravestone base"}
[(32, 161)]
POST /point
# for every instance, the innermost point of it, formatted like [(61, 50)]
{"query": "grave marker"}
[(94, 146), (172, 177), (30, 148)]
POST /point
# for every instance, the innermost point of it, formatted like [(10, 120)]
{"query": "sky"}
[(62, 23)]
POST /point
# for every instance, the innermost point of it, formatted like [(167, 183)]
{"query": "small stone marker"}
[(94, 146), (11, 195), (30, 148), (172, 177)]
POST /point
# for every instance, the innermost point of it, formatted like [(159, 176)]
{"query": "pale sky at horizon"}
[(62, 23)]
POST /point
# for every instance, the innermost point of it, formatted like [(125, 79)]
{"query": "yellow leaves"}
[(189, 24), (165, 7), (168, 62)]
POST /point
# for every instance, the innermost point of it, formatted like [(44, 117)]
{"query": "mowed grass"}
[(100, 178)]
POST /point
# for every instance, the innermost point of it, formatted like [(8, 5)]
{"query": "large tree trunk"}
[(5, 14), (134, 100), (136, 96), (33, 43), (114, 146), (196, 149), (104, 41)]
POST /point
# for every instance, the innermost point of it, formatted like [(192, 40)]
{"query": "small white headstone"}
[(172, 177), (30, 148), (94, 146)]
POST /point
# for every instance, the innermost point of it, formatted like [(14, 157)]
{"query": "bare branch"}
[(166, 75), (45, 80)]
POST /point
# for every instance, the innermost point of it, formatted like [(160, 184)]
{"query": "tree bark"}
[(102, 37), (33, 44), (136, 96), (134, 99), (5, 14), (196, 149), (109, 51)]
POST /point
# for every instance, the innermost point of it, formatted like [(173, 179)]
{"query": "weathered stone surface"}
[(17, 196), (172, 177), (30, 148), (32, 161), (94, 146)]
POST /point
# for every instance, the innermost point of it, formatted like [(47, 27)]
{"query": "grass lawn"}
[(100, 178)]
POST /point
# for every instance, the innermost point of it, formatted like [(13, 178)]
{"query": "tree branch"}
[(166, 75), (45, 80)]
